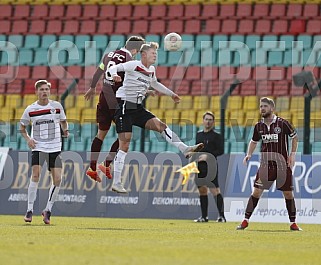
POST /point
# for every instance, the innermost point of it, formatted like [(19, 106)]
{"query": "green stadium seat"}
[(307, 41), (174, 58), (157, 146), (58, 57), (315, 39), (251, 41), (288, 40), (41, 57), (101, 41), (241, 57), (192, 57), (269, 42), (3, 37), (16, 40), (25, 57), (162, 57), (217, 39), (116, 41), (203, 42), (237, 147), (188, 41), (227, 147), (108, 141), (239, 38), (92, 57), (9, 57), (258, 57), (275, 58), (316, 147), (292, 57), (188, 132), (32, 41), (224, 57), (66, 41), (309, 57), (153, 38), (47, 40), (89, 130), (208, 57), (80, 41)]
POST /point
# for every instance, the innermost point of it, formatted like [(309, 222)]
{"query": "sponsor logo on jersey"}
[(270, 138)]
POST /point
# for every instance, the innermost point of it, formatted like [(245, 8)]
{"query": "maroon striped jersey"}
[(274, 146)]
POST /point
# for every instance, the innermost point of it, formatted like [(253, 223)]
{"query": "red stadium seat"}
[(37, 27), (175, 11), (89, 71), (124, 11), (6, 11), (29, 86), (277, 73), (39, 11), (19, 27), (123, 27), (90, 11), (260, 10), (213, 26), (87, 27), (140, 27), (177, 72), (281, 88), (54, 27), (56, 11), (260, 73), (313, 26), (157, 27), (105, 27), (229, 26), (277, 10), (193, 73), (181, 87), (311, 10), (297, 27), (292, 71), (15, 87), (140, 12), (264, 88), (21, 12), (23, 72), (157, 11), (162, 72), (209, 11), (280, 27), (199, 88), (39, 72), (71, 27), (209, 73), (263, 26), (107, 12), (192, 11), (176, 26), (74, 71), (246, 26), (215, 87), (57, 72), (5, 26), (244, 10), (73, 11), (227, 11), (248, 88), (294, 10), (192, 26)]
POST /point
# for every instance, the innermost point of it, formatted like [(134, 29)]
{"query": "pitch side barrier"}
[(155, 189)]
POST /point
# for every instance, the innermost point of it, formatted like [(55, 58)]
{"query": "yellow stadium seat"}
[(88, 115), (2, 100), (29, 99), (286, 114), (188, 115), (251, 117), (250, 103), (7, 114), (159, 113), (297, 119), (172, 116), (315, 119), (81, 102), (152, 102), (236, 118), (18, 113), (70, 102), (201, 103), (282, 103), (215, 104), (297, 103), (13, 101), (186, 103), (166, 103), (74, 114), (316, 104), (235, 103)]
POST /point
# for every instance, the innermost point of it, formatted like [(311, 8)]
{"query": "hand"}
[(176, 98), (202, 157), (246, 159), (117, 78), (90, 93), (65, 134), (291, 160), (31, 143)]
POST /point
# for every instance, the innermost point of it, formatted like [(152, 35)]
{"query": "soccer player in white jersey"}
[(139, 77), (45, 116)]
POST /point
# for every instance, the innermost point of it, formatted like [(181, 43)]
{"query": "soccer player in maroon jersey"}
[(107, 103), (276, 164)]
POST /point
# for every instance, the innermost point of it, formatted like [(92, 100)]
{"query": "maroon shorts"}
[(106, 109), (266, 175)]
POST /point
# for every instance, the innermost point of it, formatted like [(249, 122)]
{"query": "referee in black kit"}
[(207, 165)]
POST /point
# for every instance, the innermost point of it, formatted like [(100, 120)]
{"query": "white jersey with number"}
[(138, 79), (45, 121)]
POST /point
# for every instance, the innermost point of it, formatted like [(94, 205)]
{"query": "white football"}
[(172, 42)]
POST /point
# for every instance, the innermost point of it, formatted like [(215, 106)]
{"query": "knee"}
[(257, 193), (202, 190), (56, 180), (288, 195)]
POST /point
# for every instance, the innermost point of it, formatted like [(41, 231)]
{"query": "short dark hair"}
[(268, 101), (134, 42), (150, 45), (39, 83), (209, 113)]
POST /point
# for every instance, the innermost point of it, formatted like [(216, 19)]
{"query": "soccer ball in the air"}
[(172, 42)]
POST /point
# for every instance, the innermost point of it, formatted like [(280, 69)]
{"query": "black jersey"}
[(213, 142)]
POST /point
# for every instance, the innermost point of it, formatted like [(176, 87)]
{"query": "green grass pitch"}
[(76, 240)]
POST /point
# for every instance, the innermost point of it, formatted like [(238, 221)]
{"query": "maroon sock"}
[(95, 150), (112, 153), (290, 206), (251, 204)]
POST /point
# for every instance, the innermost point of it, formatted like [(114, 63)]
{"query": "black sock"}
[(290, 206), (220, 204), (251, 204), (95, 149), (204, 205)]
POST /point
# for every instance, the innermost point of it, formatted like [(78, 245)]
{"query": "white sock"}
[(173, 139), (53, 194), (32, 194), (118, 166)]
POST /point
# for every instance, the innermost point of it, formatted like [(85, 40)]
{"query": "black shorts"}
[(203, 179), (106, 107), (129, 114), (53, 159)]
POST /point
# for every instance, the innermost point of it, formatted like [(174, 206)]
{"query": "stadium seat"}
[(123, 27), (201, 103), (277, 11), (6, 11), (21, 11), (175, 12), (203, 41), (311, 10), (199, 87), (23, 72), (157, 11), (263, 26), (90, 11), (313, 26), (210, 11), (5, 27), (176, 25), (243, 10), (123, 12), (73, 11), (188, 116), (162, 72), (260, 10), (54, 27), (71, 27), (87, 27), (192, 26), (39, 72), (157, 27), (246, 26), (140, 27), (280, 27), (37, 27), (166, 104), (248, 88), (140, 12), (186, 103), (192, 11), (282, 103), (294, 10), (193, 73), (107, 12), (281, 88), (105, 27), (56, 11), (39, 12), (212, 26), (297, 27), (19, 27), (182, 87), (227, 11)]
